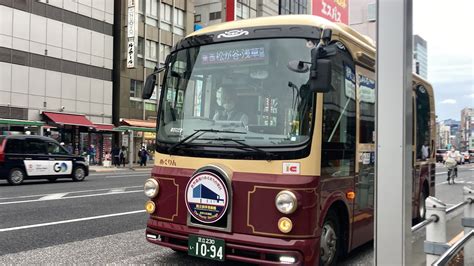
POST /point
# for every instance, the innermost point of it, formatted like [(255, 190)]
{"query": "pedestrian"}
[(115, 156), (143, 156), (69, 148), (92, 153), (122, 156)]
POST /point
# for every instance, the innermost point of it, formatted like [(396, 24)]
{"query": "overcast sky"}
[(448, 27)]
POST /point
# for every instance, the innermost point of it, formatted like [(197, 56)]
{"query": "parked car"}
[(440, 155), (467, 157), (36, 157)]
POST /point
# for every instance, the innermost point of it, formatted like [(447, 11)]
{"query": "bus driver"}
[(228, 102)]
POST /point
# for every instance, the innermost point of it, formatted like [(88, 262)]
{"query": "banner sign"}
[(131, 33), (37, 168), (333, 10)]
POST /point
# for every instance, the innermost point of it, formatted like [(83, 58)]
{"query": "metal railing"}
[(437, 250), (453, 250)]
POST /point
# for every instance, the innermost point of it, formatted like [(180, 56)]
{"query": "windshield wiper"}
[(243, 145), (195, 135)]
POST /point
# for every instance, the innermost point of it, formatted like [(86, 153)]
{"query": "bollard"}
[(468, 223), (435, 243)]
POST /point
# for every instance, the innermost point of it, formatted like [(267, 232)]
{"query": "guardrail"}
[(435, 246)]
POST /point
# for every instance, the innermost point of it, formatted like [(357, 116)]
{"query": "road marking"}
[(72, 197), (69, 221), (53, 196), (440, 173), (115, 190), (116, 176), (78, 191)]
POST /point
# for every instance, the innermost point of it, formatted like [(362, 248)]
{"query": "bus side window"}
[(339, 119), (423, 127)]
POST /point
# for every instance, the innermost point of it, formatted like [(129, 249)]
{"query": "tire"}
[(16, 176), (331, 240), (78, 174)]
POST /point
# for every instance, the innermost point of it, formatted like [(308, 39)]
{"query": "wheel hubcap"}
[(17, 176), (79, 173), (328, 244), (422, 205)]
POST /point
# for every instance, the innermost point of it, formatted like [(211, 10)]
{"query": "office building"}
[(56, 61), (420, 56), (467, 128)]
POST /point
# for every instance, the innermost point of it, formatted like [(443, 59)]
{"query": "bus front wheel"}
[(331, 240)]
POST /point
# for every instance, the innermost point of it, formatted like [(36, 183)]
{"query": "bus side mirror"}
[(149, 86), (320, 80)]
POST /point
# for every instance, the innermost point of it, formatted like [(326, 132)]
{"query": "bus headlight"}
[(286, 202), (151, 188)]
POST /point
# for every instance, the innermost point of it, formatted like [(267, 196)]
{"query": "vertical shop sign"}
[(131, 33)]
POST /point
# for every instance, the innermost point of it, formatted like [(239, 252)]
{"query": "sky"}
[(448, 28)]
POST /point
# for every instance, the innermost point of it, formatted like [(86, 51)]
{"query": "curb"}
[(118, 170)]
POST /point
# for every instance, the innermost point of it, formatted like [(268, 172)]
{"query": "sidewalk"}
[(136, 167)]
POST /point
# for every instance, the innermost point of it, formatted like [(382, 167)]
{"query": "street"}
[(102, 220)]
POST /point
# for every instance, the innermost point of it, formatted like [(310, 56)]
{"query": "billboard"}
[(333, 10)]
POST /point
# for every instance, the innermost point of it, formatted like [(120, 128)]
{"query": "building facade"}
[(467, 128), (363, 17), (420, 56), (56, 61), (144, 33)]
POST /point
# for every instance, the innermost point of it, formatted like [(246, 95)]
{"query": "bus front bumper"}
[(246, 248)]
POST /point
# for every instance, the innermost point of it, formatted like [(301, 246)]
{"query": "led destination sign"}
[(234, 55)]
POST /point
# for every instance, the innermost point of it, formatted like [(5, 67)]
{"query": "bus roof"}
[(357, 42), (308, 20)]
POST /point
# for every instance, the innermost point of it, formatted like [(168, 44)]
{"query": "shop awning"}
[(138, 123), (69, 119), (126, 128), (104, 127), (18, 122)]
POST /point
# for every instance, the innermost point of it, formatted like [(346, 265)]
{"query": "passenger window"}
[(339, 118), (54, 148), (14, 146), (423, 127), (35, 147)]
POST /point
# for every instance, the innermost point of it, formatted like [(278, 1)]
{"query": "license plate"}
[(206, 247)]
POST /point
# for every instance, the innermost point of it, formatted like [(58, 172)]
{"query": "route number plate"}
[(205, 247)]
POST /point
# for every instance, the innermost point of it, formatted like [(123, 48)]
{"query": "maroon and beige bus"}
[(266, 141)]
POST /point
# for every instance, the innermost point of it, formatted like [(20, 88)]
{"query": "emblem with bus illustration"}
[(206, 197)]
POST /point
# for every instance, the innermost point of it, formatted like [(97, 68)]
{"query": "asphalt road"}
[(101, 220)]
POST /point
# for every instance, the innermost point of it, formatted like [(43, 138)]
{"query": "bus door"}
[(363, 217)]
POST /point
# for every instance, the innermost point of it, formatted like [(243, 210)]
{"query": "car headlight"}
[(286, 202), (151, 188)]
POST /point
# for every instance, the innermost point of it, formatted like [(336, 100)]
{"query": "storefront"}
[(79, 135), (19, 127), (139, 133)]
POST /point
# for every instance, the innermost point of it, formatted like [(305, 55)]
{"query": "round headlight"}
[(286, 202), (151, 188)]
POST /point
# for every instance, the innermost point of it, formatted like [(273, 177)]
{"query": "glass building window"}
[(136, 88), (197, 18), (140, 47), (152, 8), (245, 9), (293, 7), (164, 51), (215, 15), (150, 106), (165, 13), (150, 49)]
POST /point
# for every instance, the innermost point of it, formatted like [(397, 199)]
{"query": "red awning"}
[(69, 119), (104, 127), (138, 123)]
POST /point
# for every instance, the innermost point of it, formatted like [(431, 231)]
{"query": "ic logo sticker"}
[(232, 34), (206, 197), (60, 167)]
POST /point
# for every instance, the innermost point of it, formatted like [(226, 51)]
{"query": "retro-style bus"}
[(266, 139)]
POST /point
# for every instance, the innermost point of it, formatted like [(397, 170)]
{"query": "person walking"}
[(115, 156), (92, 153), (143, 156)]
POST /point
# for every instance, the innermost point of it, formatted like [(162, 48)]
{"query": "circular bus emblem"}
[(206, 197)]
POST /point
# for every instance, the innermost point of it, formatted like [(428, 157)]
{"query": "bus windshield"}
[(244, 87)]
